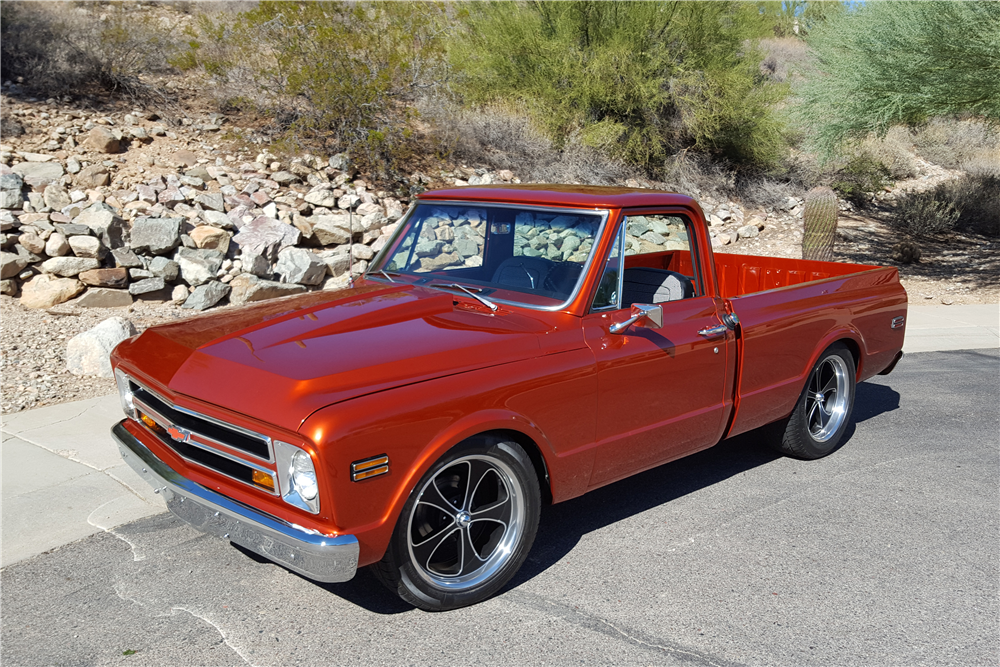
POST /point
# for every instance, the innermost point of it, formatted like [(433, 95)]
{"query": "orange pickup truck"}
[(508, 347)]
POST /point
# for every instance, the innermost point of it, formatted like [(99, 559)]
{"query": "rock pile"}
[(104, 210), (201, 235)]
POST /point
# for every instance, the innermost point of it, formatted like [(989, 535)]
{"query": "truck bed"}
[(782, 302)]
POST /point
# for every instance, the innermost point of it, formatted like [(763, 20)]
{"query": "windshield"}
[(513, 254)]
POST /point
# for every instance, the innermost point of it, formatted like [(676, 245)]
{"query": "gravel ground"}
[(33, 350)]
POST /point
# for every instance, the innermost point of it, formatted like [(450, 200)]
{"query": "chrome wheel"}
[(828, 398), (466, 523)]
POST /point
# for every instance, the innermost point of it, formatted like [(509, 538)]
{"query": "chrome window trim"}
[(621, 271), (604, 213), (160, 419), (232, 427)]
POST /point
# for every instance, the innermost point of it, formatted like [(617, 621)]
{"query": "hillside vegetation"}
[(753, 101)]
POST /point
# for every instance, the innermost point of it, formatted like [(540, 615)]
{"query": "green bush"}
[(860, 177), (338, 74), (637, 80)]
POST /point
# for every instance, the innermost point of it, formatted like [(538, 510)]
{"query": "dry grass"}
[(784, 58), (959, 144), (64, 48), (503, 137)]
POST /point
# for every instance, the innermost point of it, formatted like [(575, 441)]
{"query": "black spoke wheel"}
[(823, 412), (466, 528)]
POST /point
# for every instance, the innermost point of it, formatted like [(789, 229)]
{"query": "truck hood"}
[(281, 360)]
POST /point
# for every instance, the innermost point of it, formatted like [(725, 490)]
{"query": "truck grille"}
[(211, 429), (201, 439)]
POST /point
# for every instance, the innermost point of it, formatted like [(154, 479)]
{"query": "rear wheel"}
[(466, 528), (823, 412)]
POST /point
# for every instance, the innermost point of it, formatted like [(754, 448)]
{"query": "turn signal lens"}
[(261, 478), (148, 421)]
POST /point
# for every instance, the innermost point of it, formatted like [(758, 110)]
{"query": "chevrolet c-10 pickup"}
[(508, 347)]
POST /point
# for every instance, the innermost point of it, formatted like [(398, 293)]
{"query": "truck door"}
[(662, 393)]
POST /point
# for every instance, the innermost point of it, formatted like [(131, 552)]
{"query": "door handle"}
[(713, 332)]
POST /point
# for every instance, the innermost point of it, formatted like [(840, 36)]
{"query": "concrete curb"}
[(64, 480)]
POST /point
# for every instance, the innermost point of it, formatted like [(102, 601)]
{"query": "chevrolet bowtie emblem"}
[(177, 433)]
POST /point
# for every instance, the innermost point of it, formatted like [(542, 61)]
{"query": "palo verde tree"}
[(640, 80), (890, 63)]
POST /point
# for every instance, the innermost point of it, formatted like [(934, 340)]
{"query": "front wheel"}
[(466, 528), (817, 425)]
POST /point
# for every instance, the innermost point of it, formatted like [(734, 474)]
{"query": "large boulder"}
[(105, 277), (212, 201), (69, 266), (212, 238), (156, 235), (56, 197), (247, 287), (331, 229), (103, 140), (94, 176), (87, 246), (56, 245), (38, 173), (105, 223), (296, 265), (11, 264), (198, 266), (100, 297), (161, 267), (89, 353), (45, 291), (207, 295), (10, 191), (322, 197), (265, 237)]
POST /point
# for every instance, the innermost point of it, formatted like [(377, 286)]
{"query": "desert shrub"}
[(505, 137), (970, 203), (638, 81), (925, 214), (61, 48), (890, 63), (861, 175), (976, 196), (337, 74), (954, 143)]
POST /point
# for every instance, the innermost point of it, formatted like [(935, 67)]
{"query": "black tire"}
[(823, 412), (466, 528)]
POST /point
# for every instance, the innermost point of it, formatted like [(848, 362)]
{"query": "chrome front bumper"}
[(311, 554)]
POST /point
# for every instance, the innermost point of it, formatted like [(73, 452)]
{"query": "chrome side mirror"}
[(645, 315)]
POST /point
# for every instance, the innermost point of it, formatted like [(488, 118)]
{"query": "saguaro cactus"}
[(819, 221)]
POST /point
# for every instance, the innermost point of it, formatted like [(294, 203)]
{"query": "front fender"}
[(550, 400)]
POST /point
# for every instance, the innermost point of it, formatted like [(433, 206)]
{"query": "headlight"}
[(297, 477), (304, 476), (125, 393)]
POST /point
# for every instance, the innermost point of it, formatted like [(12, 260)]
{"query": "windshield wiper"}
[(481, 299), (387, 274)]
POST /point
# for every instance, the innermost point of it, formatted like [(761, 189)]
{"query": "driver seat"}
[(522, 272)]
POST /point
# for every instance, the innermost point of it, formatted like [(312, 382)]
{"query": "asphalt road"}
[(884, 553)]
